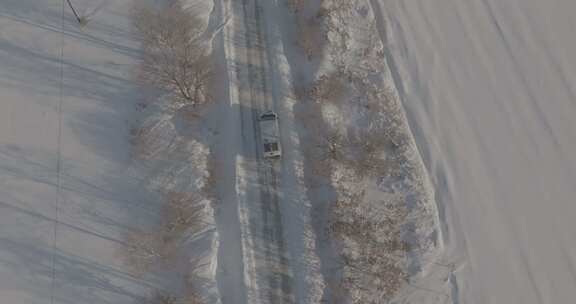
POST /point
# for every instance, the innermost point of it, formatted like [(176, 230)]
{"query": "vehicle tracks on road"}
[(272, 263)]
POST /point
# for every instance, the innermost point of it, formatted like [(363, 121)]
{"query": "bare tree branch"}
[(173, 58)]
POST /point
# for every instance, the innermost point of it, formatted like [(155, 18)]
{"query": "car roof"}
[(268, 116)]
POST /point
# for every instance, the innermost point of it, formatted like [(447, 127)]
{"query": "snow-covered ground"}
[(489, 89), (68, 191)]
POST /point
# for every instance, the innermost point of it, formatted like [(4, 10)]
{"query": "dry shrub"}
[(338, 5), (373, 248), (335, 24), (310, 32), (368, 233), (296, 5), (329, 8), (150, 140), (161, 297), (182, 211), (208, 189), (323, 148), (329, 88), (361, 152), (145, 249), (364, 153), (140, 140), (384, 102), (311, 37), (145, 143), (331, 144), (165, 297)]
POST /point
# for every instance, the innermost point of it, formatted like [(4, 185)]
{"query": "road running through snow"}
[(266, 266)]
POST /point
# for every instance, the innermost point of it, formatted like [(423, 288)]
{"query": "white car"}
[(270, 134)]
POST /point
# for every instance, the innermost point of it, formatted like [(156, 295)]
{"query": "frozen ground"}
[(67, 189), (489, 89)]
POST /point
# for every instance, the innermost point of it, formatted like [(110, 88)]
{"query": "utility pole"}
[(74, 11)]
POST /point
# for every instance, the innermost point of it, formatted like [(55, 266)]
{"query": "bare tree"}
[(173, 58)]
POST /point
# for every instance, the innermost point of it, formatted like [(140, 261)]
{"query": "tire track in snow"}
[(277, 289), (266, 266), (230, 257)]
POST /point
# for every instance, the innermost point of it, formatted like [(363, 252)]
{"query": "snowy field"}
[(68, 191), (489, 88)]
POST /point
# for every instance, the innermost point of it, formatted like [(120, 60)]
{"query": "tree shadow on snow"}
[(98, 33), (102, 193), (85, 280)]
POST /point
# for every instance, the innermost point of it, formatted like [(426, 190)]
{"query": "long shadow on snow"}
[(86, 281), (96, 203), (97, 33)]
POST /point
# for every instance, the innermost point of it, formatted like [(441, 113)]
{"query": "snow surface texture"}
[(67, 190), (489, 90), (70, 188)]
